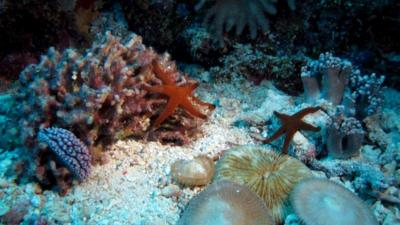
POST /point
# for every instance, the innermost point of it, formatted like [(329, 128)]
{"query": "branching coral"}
[(226, 14)]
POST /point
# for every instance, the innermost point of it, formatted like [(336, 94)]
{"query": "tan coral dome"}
[(226, 203), (323, 202)]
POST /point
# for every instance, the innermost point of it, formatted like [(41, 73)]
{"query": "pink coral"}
[(227, 14)]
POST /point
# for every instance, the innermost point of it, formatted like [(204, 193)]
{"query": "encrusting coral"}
[(269, 175), (101, 96), (323, 202), (292, 124), (227, 14), (225, 202)]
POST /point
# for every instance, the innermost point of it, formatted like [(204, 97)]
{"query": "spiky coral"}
[(240, 13), (99, 96), (268, 174)]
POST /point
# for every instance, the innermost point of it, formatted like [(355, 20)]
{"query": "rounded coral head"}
[(271, 176), (226, 203), (323, 202)]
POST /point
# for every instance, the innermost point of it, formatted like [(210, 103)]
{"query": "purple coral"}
[(344, 137), (68, 149), (339, 82), (367, 90), (326, 78)]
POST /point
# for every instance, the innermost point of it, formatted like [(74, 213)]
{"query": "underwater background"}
[(200, 112)]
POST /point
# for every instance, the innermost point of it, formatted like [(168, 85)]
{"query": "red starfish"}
[(292, 124), (178, 95)]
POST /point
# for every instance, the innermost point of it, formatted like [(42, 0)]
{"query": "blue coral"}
[(69, 150)]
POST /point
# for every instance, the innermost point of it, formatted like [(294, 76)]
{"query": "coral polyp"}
[(268, 174), (196, 172)]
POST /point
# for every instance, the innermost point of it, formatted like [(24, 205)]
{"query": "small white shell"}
[(196, 172)]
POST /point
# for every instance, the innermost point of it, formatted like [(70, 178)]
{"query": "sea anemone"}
[(227, 203), (268, 174), (226, 14), (323, 202)]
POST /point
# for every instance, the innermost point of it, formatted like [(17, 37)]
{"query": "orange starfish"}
[(292, 124), (179, 96)]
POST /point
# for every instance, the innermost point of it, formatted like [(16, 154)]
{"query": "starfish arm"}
[(281, 116), (306, 111), (201, 103), (275, 135), (309, 127), (288, 139), (188, 106), (163, 75), (169, 109)]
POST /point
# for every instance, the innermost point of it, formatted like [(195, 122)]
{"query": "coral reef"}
[(226, 202), (226, 14), (324, 202), (269, 175), (351, 96), (99, 96), (69, 150)]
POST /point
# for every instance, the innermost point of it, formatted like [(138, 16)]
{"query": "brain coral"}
[(226, 203), (324, 202), (227, 14), (98, 95), (268, 174)]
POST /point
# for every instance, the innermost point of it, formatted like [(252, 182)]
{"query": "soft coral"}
[(239, 13)]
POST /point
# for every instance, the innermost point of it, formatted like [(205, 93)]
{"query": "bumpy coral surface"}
[(68, 149), (99, 96)]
